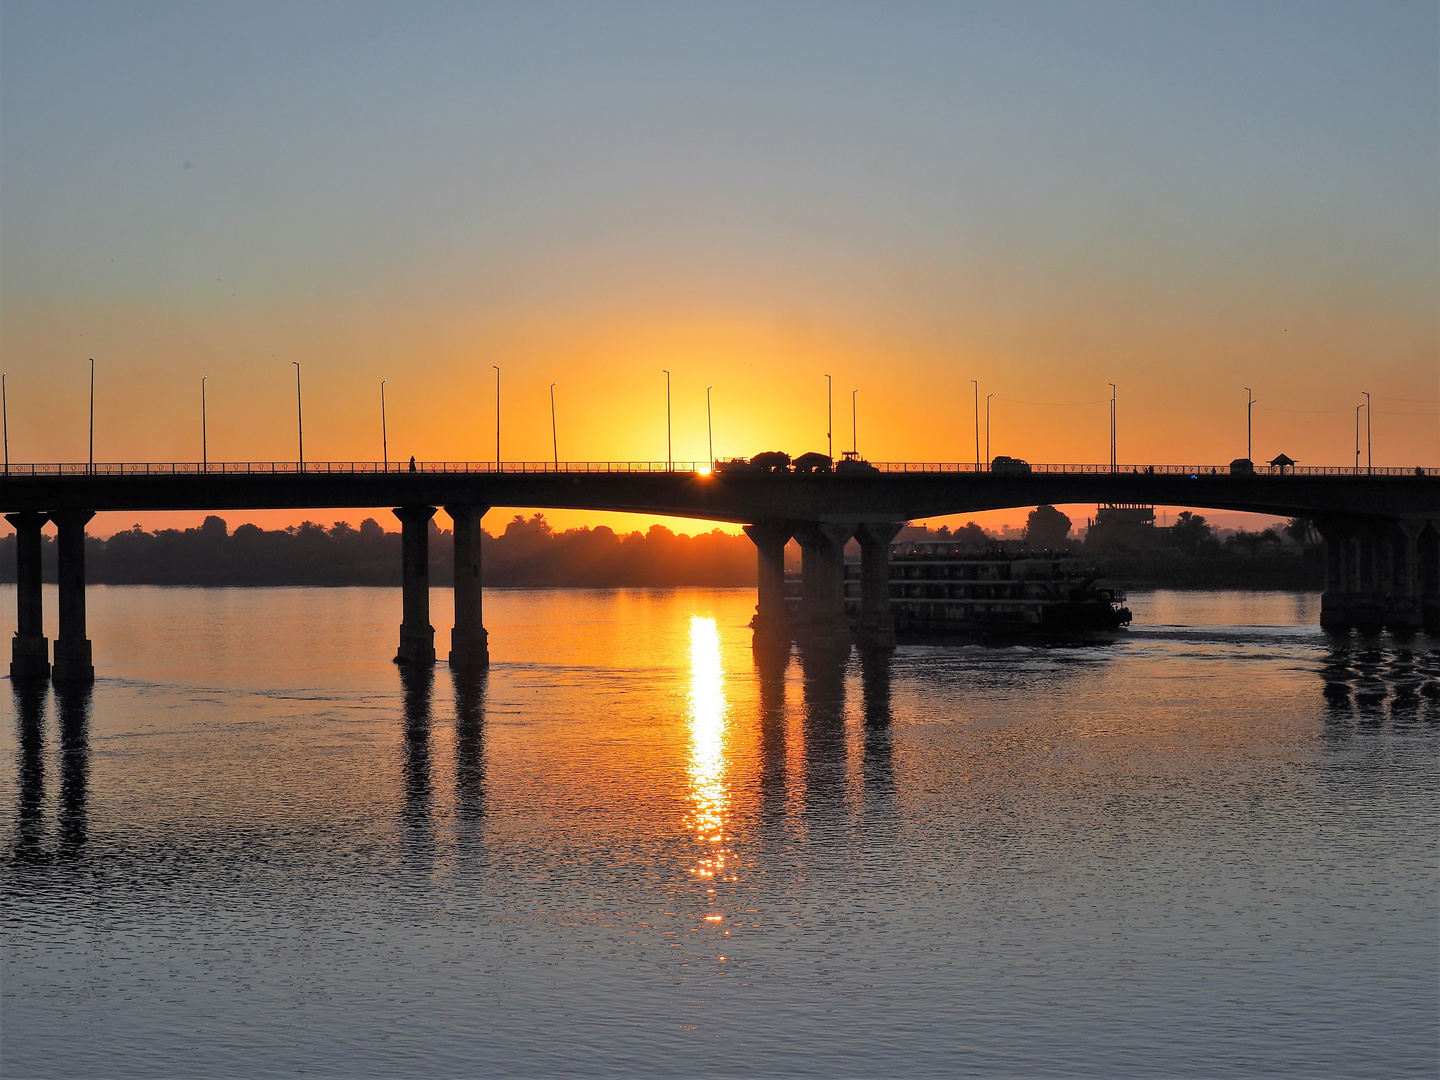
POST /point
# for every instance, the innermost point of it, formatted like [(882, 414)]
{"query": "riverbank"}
[(531, 554)]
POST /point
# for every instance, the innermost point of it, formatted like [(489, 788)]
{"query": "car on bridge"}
[(1009, 466)]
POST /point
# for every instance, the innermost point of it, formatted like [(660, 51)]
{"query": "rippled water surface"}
[(1208, 847)]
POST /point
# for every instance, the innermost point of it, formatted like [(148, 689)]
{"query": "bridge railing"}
[(291, 468), (342, 468)]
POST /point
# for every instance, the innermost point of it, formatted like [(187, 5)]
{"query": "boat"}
[(943, 589)]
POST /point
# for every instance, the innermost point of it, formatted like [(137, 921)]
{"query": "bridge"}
[(1381, 528)]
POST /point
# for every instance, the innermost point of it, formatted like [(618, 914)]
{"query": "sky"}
[(1182, 199)]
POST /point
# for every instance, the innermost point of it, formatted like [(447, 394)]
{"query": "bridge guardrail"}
[(291, 468)]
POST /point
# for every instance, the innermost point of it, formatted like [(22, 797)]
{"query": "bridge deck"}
[(897, 491)]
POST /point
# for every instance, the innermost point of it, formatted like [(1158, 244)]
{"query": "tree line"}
[(529, 552)]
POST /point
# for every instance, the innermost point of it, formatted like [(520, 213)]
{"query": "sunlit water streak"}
[(708, 784), (1205, 848)]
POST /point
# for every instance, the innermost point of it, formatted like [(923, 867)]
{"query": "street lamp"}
[(710, 425), (854, 426), (987, 426), (830, 417), (1357, 438), (1249, 406), (976, 384), (204, 433), (669, 453), (384, 434), (92, 415), (5, 419), (554, 439), (497, 416), (1369, 455), (1113, 459), (299, 415)]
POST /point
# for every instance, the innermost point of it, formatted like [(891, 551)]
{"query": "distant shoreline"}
[(529, 554)]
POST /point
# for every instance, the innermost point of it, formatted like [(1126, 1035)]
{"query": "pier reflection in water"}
[(72, 763), (469, 745), (417, 684), (29, 830), (1151, 856), (73, 705)]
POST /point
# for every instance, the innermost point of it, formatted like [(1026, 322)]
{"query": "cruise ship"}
[(940, 589)]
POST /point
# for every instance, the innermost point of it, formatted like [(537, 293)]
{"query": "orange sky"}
[(1046, 206)]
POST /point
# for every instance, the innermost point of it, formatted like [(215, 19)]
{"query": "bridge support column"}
[(824, 624), (1368, 609), (29, 649), (772, 622), (876, 629), (417, 636), (72, 647), (469, 641), (1406, 612), (1428, 565)]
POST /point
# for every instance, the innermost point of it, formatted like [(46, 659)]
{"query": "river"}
[(1207, 847)]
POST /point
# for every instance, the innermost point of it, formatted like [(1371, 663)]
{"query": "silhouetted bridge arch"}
[(1381, 527)]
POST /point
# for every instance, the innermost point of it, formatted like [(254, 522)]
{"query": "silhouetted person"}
[(30, 768), (412, 462), (74, 705)]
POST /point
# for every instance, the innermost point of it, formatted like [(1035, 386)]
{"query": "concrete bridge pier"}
[(417, 636), (1406, 607), (72, 647), (29, 649), (1380, 574), (772, 622), (1428, 574), (824, 624), (876, 628), (469, 641)]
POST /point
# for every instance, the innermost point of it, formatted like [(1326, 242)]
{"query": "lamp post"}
[(987, 426), (554, 439), (299, 415), (1249, 406), (669, 453), (204, 433), (1113, 459), (1369, 450), (91, 467), (5, 419), (384, 434), (710, 426), (830, 417), (1357, 438), (976, 383), (497, 416), (854, 426)]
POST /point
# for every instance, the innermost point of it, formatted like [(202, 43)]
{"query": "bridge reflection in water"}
[(794, 739)]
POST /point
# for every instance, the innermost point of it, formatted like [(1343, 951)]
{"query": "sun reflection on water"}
[(709, 787)]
